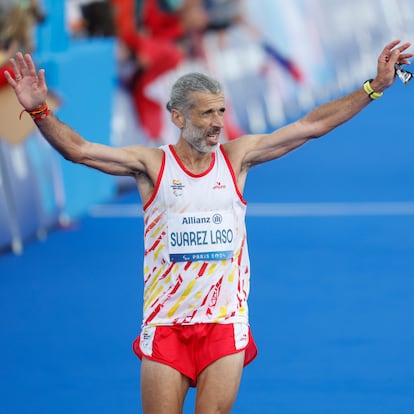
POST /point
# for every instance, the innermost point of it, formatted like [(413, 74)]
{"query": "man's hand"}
[(30, 87), (391, 55)]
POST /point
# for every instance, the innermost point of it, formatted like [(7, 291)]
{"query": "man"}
[(195, 328)]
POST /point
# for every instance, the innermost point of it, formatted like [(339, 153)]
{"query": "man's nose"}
[(218, 120)]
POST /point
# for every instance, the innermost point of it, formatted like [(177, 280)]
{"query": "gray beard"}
[(195, 138)]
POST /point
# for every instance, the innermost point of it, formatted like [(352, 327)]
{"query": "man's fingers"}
[(405, 46), (390, 48), (42, 79), (29, 64), (10, 79), (21, 64), (17, 76), (387, 49), (403, 59), (398, 51), (13, 64)]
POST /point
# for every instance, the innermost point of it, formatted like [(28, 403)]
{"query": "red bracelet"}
[(40, 116), (37, 114)]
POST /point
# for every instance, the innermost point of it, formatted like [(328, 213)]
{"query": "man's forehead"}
[(206, 99)]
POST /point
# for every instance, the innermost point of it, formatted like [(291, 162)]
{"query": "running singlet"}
[(196, 263)]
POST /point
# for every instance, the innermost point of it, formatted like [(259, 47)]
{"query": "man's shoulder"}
[(237, 144)]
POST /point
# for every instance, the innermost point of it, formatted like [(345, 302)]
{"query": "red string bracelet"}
[(37, 114)]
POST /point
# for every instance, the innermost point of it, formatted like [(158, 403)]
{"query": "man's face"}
[(204, 122)]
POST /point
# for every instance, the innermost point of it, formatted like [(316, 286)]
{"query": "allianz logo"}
[(215, 218)]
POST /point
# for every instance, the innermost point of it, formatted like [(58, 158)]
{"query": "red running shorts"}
[(191, 348)]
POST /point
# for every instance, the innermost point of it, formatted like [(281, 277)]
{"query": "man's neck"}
[(195, 161)]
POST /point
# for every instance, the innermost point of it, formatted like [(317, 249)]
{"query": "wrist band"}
[(37, 114), (369, 91)]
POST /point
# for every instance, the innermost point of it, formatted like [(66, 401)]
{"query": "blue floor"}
[(331, 302)]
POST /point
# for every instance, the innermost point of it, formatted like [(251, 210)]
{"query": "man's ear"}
[(178, 118)]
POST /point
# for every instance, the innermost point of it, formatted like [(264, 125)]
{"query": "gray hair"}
[(185, 85)]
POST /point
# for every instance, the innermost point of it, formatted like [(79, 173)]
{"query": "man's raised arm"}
[(321, 120), (31, 90)]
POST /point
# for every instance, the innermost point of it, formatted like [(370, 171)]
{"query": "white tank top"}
[(196, 263)]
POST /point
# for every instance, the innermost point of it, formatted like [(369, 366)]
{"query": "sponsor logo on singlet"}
[(219, 186), (201, 236)]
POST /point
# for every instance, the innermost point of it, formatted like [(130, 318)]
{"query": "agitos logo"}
[(177, 187)]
